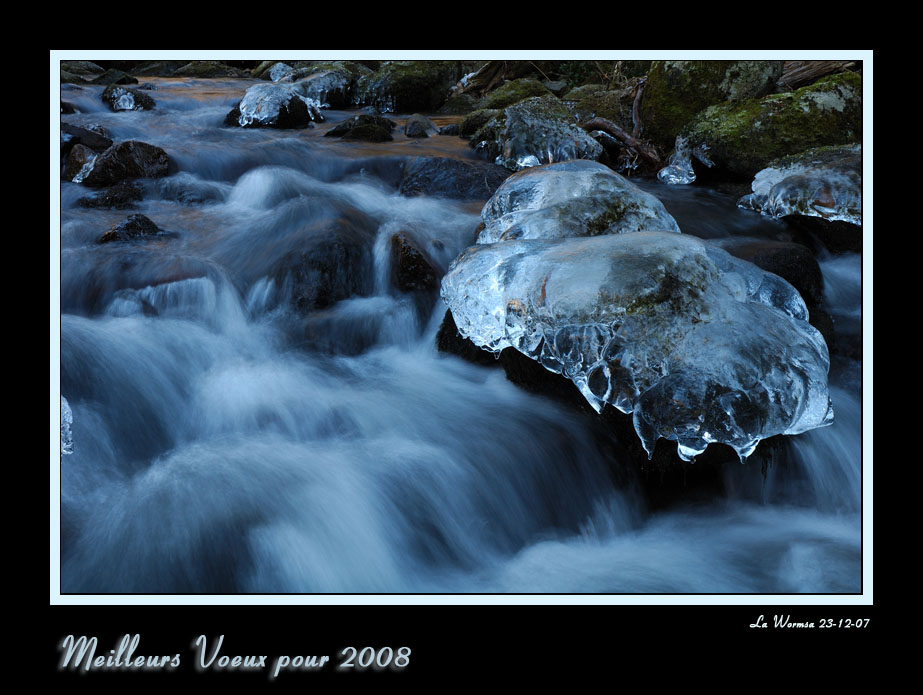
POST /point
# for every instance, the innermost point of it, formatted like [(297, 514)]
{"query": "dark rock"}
[(408, 86), (419, 126), (81, 67), (458, 104), (449, 340), (450, 129), (122, 195), (411, 270), (147, 86), (67, 107), (114, 77), (160, 68), (132, 227), (128, 160), (792, 262), (363, 127), (71, 78), (452, 178), (556, 87), (275, 105), (84, 136), (76, 158), (123, 99), (834, 236)]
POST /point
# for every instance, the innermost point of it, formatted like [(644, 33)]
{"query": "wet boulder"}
[(676, 90), (365, 127), (131, 228), (123, 99), (570, 199), (408, 86), (475, 120), (700, 347), (451, 178), (72, 135), (114, 77), (450, 129), (459, 104), (120, 196), (746, 136), (538, 130), (411, 270), (71, 78), (67, 107), (127, 160), (276, 105), (78, 157), (419, 126)]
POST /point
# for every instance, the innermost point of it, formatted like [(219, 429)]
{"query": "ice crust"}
[(824, 182), (67, 419), (699, 346), (262, 103), (679, 169), (569, 199), (279, 71)]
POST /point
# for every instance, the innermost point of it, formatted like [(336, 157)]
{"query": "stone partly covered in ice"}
[(125, 99), (67, 419), (534, 131), (276, 105), (569, 199), (823, 182), (699, 346)]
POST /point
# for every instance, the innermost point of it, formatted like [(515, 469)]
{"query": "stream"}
[(226, 443)]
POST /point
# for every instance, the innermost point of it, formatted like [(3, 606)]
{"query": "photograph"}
[(460, 327)]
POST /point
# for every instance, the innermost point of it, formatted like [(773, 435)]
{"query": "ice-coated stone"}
[(279, 71), (823, 182), (67, 419), (568, 199), (125, 99), (534, 131), (699, 346), (278, 105)]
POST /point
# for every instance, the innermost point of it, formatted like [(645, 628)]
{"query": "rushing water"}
[(224, 442)]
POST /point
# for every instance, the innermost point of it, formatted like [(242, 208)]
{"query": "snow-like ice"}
[(566, 199), (699, 346), (67, 419)]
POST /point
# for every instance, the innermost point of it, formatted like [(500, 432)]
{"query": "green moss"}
[(614, 105), (677, 90), (409, 86), (746, 136), (471, 123), (462, 103), (514, 91)]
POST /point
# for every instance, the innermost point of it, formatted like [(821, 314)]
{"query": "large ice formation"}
[(567, 199), (263, 103), (699, 346), (67, 419), (824, 182)]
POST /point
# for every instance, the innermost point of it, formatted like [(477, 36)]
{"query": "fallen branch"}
[(642, 149), (636, 110)]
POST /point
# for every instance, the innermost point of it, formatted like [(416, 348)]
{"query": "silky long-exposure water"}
[(225, 440)]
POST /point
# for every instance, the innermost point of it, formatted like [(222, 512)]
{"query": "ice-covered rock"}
[(699, 346), (568, 199), (534, 131), (823, 182), (276, 105), (679, 169), (280, 71), (131, 159), (67, 419)]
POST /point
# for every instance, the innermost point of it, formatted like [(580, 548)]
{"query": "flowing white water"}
[(225, 441)]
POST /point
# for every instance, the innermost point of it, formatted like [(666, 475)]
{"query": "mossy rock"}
[(745, 137), (514, 90), (614, 104), (471, 123), (459, 104), (71, 78), (676, 90), (409, 86), (208, 68), (161, 68), (81, 67)]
